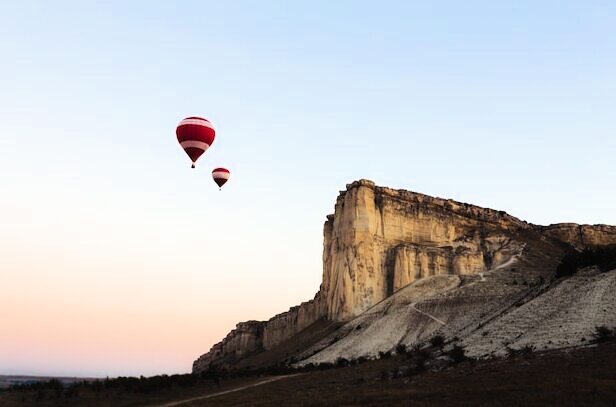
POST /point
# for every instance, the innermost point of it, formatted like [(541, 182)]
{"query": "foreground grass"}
[(581, 377), (119, 397)]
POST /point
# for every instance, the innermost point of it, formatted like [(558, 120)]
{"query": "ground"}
[(584, 377), (581, 376)]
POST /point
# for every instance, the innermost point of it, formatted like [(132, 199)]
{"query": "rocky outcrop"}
[(247, 337), (253, 336), (581, 236), (380, 241), (287, 324), (414, 261)]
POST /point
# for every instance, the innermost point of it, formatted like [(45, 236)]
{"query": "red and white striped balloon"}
[(195, 135), (221, 176)]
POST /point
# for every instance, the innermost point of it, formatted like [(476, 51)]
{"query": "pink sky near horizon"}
[(65, 313), (96, 285)]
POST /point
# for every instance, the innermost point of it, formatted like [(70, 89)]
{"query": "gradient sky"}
[(117, 258)]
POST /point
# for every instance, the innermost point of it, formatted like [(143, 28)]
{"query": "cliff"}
[(255, 336), (380, 240), (581, 236)]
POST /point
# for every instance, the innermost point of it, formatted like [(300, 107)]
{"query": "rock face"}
[(247, 337), (254, 336), (382, 241), (580, 236), (287, 324)]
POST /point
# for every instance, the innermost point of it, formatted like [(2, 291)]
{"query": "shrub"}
[(604, 334), (457, 353), (384, 355), (525, 350), (604, 257), (342, 362), (437, 341)]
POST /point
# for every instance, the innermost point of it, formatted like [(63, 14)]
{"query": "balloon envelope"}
[(220, 176), (195, 135)]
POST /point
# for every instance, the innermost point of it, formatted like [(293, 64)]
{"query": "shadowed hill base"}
[(584, 377), (574, 377), (286, 350)]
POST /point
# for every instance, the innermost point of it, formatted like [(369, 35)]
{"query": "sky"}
[(116, 258)]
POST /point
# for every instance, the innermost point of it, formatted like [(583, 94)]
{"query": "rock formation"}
[(380, 240), (581, 236), (254, 336)]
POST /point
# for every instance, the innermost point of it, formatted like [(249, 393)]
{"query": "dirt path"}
[(220, 393), (508, 263), (414, 308)]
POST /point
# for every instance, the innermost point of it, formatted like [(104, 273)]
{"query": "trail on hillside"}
[(482, 275), (482, 278), (414, 308), (220, 393)]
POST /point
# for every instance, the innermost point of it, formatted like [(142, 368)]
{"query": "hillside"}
[(400, 267)]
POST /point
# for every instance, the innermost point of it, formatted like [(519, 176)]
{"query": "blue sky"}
[(508, 105)]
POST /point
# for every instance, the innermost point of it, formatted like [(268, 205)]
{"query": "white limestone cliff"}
[(380, 240)]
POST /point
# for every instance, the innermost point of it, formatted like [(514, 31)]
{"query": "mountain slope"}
[(401, 267)]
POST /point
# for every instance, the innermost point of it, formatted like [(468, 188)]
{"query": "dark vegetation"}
[(604, 257), (604, 334), (384, 355), (457, 354), (437, 341), (553, 378), (426, 374), (54, 389), (416, 359), (525, 350)]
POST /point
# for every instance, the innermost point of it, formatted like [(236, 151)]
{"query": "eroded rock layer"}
[(255, 336)]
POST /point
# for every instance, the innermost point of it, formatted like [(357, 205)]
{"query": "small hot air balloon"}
[(221, 176), (195, 135)]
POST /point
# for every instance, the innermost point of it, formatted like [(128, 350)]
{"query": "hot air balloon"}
[(195, 135), (221, 176)]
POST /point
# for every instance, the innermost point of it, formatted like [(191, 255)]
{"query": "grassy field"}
[(581, 377)]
